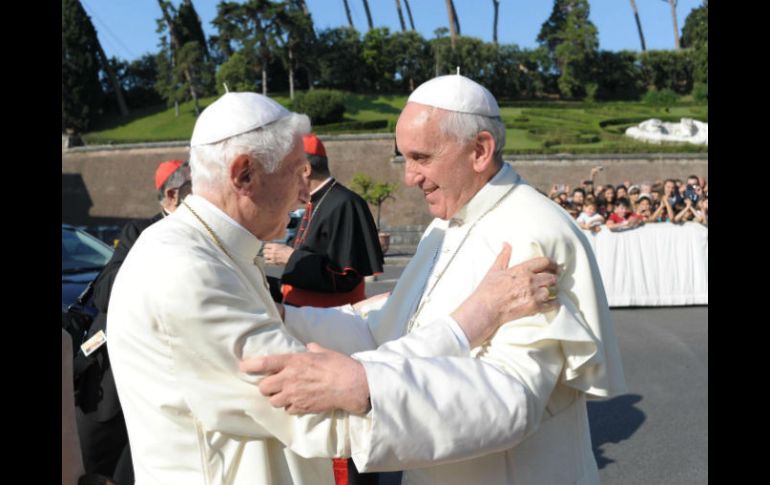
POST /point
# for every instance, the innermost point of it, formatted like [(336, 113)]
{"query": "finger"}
[(549, 306), (540, 264), (271, 385), (269, 364), (501, 262), (279, 400), (542, 295), (544, 279)]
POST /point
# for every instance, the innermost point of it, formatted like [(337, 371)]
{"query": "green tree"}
[(238, 72), (375, 193), (669, 69), (413, 59), (572, 41), (339, 53), (182, 62), (695, 35), (249, 27), (379, 59), (82, 94), (295, 38)]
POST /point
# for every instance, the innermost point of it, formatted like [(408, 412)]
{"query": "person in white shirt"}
[(589, 219), (452, 139), (191, 301)]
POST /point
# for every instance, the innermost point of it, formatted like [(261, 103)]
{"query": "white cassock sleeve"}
[(221, 322), (342, 329)]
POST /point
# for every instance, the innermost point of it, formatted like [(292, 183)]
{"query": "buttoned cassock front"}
[(477, 407), (182, 316)]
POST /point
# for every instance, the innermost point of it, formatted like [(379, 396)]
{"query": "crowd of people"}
[(628, 205)]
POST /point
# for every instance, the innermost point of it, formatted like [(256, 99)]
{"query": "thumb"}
[(316, 348)]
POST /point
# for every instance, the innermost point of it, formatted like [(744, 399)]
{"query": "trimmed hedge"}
[(352, 126), (323, 106)]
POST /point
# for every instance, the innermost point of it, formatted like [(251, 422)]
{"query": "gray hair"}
[(465, 127), (268, 144)]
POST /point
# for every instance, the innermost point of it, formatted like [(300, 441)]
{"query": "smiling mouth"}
[(427, 192)]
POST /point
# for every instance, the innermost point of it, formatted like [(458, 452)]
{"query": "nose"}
[(412, 176)]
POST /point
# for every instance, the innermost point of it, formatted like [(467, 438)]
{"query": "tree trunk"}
[(457, 18), (264, 78), (638, 25), (176, 46), (452, 24), (673, 17), (409, 13), (368, 14), (291, 73), (347, 12), (113, 79), (496, 4), (400, 16)]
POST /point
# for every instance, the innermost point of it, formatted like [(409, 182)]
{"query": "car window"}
[(80, 251)]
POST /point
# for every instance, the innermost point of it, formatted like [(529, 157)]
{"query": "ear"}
[(483, 152), (243, 173), (172, 195)]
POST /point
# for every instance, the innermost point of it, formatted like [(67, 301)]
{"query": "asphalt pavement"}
[(656, 433)]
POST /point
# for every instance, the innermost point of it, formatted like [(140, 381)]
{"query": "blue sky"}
[(126, 28)]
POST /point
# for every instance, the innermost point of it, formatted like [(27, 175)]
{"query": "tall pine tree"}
[(82, 94), (572, 41)]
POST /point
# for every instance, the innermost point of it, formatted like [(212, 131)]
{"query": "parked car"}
[(82, 257)]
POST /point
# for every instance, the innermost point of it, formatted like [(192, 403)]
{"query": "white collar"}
[(239, 241), (497, 187), (323, 184)]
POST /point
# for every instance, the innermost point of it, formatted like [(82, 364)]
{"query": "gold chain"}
[(211, 232), (424, 299)]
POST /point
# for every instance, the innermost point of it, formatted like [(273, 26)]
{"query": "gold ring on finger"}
[(552, 292)]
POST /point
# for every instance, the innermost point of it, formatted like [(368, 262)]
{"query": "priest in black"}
[(336, 246)]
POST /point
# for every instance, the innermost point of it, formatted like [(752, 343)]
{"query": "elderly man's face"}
[(439, 165), (278, 193)]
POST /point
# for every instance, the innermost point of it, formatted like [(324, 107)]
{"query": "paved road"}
[(657, 433)]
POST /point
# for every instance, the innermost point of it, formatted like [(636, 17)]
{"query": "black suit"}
[(101, 426)]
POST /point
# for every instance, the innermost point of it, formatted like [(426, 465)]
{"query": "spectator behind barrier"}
[(622, 218), (590, 219)]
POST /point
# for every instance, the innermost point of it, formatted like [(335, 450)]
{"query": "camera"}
[(690, 193)]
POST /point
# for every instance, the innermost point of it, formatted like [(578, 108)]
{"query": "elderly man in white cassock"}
[(191, 301), (516, 404)]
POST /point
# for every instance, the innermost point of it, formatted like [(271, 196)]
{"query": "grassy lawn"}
[(532, 127)]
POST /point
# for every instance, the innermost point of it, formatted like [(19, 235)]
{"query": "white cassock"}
[(182, 316), (430, 415)]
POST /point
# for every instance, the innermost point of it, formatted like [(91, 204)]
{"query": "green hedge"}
[(352, 126), (323, 106)]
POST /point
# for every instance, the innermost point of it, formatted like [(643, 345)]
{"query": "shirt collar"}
[(493, 191), (320, 187), (237, 240)]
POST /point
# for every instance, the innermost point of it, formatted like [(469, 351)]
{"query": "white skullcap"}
[(456, 93), (234, 114)]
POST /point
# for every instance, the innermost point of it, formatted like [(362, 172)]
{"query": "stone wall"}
[(108, 185)]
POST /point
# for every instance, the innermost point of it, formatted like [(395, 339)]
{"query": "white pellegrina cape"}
[(533, 434)]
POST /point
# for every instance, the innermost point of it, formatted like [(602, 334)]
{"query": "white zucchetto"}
[(456, 93), (234, 114)]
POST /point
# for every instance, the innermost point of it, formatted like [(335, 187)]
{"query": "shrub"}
[(700, 92), (664, 97), (321, 105)]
